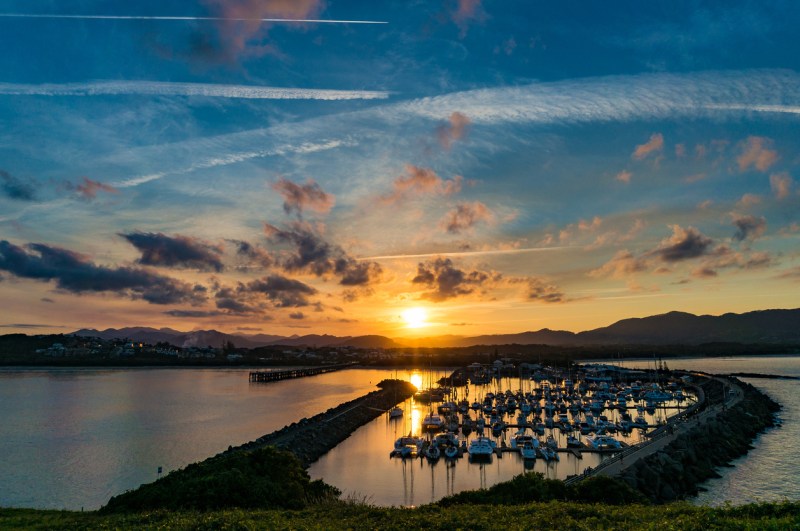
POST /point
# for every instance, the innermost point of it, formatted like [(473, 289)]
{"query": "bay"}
[(72, 438)]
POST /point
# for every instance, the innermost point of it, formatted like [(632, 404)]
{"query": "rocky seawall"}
[(311, 438), (693, 457)]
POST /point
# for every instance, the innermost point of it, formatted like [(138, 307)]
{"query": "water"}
[(770, 472), (72, 438)]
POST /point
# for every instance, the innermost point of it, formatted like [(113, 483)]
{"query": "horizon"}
[(458, 168)]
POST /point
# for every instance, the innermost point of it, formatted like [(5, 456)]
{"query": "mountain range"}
[(673, 328)]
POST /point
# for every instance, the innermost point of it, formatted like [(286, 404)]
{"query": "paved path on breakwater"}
[(311, 438), (674, 427)]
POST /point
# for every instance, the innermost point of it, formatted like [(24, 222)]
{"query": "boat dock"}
[(289, 374)]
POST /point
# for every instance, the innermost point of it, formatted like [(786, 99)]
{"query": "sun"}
[(415, 317)]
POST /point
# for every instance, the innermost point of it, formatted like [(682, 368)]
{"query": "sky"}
[(398, 168)]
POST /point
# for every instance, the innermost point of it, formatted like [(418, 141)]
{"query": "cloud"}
[(654, 145), (240, 32), (756, 153), (683, 244), (581, 227), (723, 257), (624, 176), (418, 182), (781, 184), (15, 188), (231, 153), (748, 227), (704, 272), (466, 12), (283, 292), (749, 200), (790, 274), (175, 251), (253, 255), (590, 100), (88, 188), (456, 129), (541, 290), (311, 253), (231, 300), (622, 265), (297, 315), (193, 313), (168, 89), (447, 281), (297, 198), (30, 325), (465, 216), (76, 274)]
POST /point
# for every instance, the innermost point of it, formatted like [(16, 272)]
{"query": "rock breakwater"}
[(677, 470), (311, 438)]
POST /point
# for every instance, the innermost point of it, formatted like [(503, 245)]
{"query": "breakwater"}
[(692, 457), (289, 374), (311, 438)]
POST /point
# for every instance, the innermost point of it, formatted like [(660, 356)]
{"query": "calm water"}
[(361, 467), (771, 471), (74, 438)]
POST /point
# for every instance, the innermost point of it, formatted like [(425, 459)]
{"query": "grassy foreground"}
[(342, 515)]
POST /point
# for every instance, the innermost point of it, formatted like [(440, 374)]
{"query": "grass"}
[(342, 515)]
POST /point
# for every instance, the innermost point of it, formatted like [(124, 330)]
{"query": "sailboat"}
[(396, 412)]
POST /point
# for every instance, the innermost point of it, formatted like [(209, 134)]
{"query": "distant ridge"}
[(673, 328)]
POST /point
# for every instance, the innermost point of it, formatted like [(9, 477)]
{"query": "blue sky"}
[(503, 165)]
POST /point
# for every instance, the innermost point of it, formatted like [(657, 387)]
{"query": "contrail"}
[(159, 88), (149, 17), (463, 253)]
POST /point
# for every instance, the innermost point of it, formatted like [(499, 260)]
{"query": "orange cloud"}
[(421, 181), (757, 152), (456, 129), (781, 184), (236, 36), (89, 188), (466, 12), (624, 176), (654, 145), (749, 200)]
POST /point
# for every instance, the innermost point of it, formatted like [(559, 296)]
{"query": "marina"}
[(120, 435), (553, 405)]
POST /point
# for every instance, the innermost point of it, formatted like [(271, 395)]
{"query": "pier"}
[(289, 374)]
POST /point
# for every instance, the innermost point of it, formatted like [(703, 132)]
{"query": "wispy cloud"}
[(207, 90), (603, 99), (187, 18), (232, 156), (621, 98), (456, 254)]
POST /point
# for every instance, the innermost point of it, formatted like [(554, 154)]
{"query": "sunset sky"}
[(402, 168)]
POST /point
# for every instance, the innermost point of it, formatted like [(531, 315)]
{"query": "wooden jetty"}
[(288, 374)]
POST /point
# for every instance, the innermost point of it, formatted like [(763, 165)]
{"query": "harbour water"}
[(71, 438), (769, 472)]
